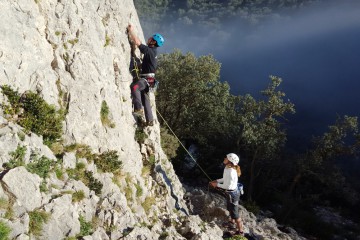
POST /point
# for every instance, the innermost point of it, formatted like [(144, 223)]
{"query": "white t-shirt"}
[(229, 180)]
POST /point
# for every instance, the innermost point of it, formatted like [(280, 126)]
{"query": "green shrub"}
[(151, 160), (5, 230), (79, 173), (85, 227), (13, 98), (37, 116), (37, 220), (108, 161), (140, 135), (17, 158), (78, 196), (92, 183), (81, 150), (41, 166)]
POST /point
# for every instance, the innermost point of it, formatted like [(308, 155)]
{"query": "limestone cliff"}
[(75, 55)]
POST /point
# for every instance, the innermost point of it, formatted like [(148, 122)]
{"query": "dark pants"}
[(140, 97)]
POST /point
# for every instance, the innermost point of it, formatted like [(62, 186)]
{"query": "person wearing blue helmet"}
[(140, 87)]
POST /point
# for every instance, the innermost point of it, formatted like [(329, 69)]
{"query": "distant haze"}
[(315, 51)]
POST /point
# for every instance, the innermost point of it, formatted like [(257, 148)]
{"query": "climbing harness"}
[(150, 80)]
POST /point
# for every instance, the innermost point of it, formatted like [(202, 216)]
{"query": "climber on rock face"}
[(229, 185), (140, 86)]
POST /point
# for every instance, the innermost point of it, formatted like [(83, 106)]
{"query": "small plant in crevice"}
[(37, 220), (107, 40), (108, 161), (78, 196), (163, 235), (21, 136), (73, 41), (34, 114), (59, 172), (81, 150), (41, 166), (105, 115), (5, 230), (92, 183), (79, 173), (149, 164), (6, 204), (128, 189), (151, 160), (85, 227), (43, 186), (145, 171), (63, 97), (148, 203), (70, 238), (139, 190), (140, 135), (17, 158)]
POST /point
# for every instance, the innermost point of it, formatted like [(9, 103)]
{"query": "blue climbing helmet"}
[(159, 39)]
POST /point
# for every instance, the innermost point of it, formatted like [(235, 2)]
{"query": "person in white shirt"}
[(229, 185)]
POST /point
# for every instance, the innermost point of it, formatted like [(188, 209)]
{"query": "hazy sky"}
[(315, 51)]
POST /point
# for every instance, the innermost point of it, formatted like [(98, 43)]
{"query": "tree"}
[(261, 134), (196, 104), (319, 164)]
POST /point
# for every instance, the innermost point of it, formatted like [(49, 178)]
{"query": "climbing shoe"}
[(238, 233), (150, 123), (229, 225)]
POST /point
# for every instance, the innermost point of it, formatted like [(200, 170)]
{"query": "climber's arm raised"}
[(132, 35)]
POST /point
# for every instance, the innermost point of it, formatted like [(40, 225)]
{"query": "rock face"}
[(76, 56)]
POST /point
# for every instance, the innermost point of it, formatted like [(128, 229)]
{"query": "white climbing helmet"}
[(232, 157)]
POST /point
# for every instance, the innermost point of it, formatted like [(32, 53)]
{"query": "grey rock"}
[(64, 220), (22, 184), (22, 237), (69, 160)]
